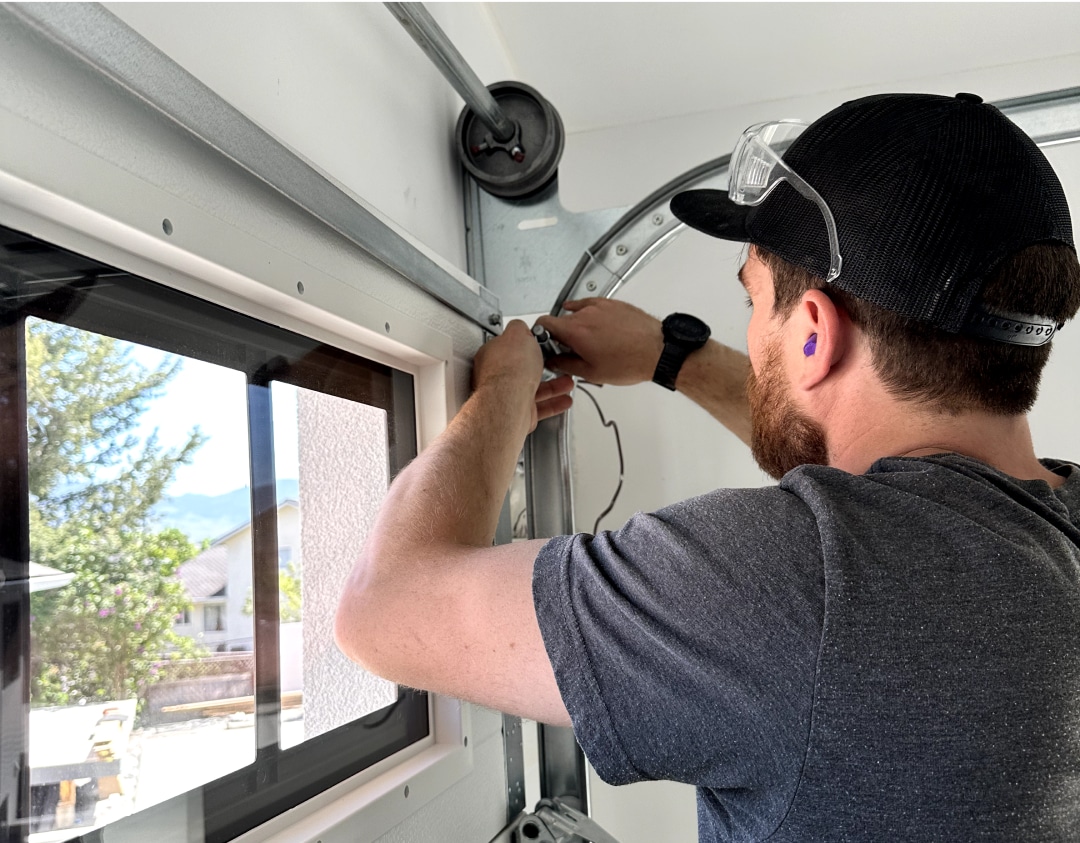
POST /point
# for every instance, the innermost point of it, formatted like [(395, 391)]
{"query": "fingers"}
[(567, 328), (555, 387), (559, 404), (513, 354), (553, 397), (557, 326), (517, 326), (576, 304), (609, 341), (569, 364)]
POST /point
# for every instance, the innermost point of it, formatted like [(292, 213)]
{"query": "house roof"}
[(207, 574), (291, 502)]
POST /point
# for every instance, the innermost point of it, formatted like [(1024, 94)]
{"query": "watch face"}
[(686, 329)]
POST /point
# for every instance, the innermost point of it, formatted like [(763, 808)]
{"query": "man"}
[(884, 645)]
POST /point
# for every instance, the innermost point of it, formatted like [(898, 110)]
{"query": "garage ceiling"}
[(612, 64)]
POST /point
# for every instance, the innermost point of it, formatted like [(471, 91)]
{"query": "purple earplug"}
[(811, 345)]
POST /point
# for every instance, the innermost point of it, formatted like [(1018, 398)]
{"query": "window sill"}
[(365, 807)]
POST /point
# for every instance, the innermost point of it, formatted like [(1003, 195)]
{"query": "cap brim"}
[(712, 212)]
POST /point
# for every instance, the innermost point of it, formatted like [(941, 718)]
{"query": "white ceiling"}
[(612, 64)]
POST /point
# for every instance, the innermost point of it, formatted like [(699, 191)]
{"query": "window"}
[(214, 617), (173, 458)]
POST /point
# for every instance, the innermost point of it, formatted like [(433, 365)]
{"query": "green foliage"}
[(289, 600), (104, 636), (92, 487)]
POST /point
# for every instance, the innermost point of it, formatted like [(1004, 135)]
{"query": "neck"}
[(1003, 442)]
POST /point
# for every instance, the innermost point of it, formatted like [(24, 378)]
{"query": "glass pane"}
[(331, 456), (141, 654)]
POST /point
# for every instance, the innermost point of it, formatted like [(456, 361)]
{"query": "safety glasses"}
[(757, 167)]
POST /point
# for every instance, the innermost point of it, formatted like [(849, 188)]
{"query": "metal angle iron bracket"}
[(109, 46), (524, 249)]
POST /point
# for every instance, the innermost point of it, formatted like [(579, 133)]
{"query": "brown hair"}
[(952, 372)]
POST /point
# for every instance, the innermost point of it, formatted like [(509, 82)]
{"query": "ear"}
[(817, 335)]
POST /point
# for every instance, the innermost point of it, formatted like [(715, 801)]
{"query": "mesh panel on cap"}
[(929, 194)]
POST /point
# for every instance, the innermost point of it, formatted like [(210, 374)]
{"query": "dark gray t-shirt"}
[(887, 656)]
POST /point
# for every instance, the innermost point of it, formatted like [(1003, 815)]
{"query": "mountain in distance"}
[(202, 517)]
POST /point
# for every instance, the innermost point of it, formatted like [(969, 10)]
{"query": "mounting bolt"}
[(591, 286), (621, 250), (658, 219), (494, 318)]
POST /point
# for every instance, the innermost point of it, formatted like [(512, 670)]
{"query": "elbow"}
[(355, 623), (345, 633), (371, 616)]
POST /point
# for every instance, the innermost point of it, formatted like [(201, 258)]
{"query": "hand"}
[(513, 356), (553, 397), (611, 341), (513, 364)]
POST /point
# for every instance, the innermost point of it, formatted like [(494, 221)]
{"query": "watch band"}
[(683, 334), (669, 364)]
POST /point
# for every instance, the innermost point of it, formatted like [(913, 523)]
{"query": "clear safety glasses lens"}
[(757, 167)]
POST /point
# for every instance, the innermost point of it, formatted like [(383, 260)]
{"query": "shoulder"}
[(731, 544), (726, 524), (734, 515)]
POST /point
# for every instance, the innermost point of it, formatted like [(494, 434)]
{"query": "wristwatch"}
[(683, 334)]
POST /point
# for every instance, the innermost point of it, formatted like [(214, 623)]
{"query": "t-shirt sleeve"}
[(685, 643)]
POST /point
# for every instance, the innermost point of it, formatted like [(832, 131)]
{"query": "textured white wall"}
[(343, 478)]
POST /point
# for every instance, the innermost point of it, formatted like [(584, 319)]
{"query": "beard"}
[(782, 437)]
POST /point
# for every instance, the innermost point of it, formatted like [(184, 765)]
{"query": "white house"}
[(218, 581)]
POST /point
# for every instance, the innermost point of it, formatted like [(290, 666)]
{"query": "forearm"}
[(714, 377), (617, 343), (452, 493), (443, 506)]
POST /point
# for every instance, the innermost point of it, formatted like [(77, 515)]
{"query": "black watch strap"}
[(669, 364), (683, 334)]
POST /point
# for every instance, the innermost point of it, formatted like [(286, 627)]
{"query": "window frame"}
[(96, 297)]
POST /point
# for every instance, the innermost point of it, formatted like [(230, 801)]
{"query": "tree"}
[(290, 604), (93, 484)]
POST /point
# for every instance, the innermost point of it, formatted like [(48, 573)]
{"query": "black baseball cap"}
[(929, 194)]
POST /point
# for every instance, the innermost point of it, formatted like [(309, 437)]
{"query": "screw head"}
[(494, 318), (621, 250), (658, 219), (591, 286)]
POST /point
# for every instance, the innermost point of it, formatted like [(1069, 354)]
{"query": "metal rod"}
[(433, 41)]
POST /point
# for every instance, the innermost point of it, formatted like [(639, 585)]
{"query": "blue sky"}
[(214, 398)]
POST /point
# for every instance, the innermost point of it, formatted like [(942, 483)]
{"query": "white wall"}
[(345, 86)]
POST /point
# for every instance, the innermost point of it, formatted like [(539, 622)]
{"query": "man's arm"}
[(616, 343), (430, 603)]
